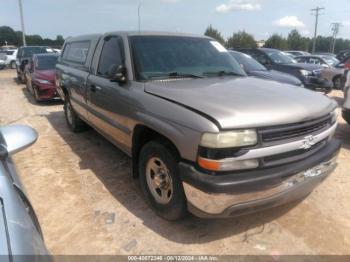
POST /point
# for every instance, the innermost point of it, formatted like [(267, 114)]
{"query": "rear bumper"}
[(250, 191)]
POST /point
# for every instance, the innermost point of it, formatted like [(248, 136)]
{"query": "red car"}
[(345, 63), (40, 76)]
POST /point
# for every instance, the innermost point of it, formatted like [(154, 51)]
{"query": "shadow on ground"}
[(112, 168), (30, 98)]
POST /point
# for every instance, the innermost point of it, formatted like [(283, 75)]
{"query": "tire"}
[(337, 83), (73, 120), (170, 206), (36, 94), (13, 65)]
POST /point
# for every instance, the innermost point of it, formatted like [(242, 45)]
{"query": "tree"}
[(276, 41), (7, 34), (296, 41), (241, 40), (214, 33)]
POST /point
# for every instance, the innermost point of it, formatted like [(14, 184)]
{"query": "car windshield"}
[(330, 60), (157, 57), (29, 51), (279, 57), (46, 62), (247, 62)]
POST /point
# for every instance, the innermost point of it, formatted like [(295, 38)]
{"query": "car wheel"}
[(73, 120), (36, 94), (13, 65), (337, 83), (160, 182)]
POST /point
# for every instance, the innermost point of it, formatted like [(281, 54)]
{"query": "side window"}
[(111, 55), (301, 60), (260, 57), (76, 52), (314, 60)]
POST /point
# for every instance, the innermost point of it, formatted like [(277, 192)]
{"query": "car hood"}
[(277, 76), (45, 74), (309, 67), (244, 102)]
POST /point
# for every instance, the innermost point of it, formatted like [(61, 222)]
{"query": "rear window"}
[(76, 52), (29, 51)]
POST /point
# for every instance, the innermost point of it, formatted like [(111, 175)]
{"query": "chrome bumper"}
[(216, 204)]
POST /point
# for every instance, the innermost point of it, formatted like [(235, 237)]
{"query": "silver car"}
[(20, 234)]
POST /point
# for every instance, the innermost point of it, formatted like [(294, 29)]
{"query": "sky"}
[(261, 18)]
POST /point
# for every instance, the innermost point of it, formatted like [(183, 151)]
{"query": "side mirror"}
[(117, 73), (15, 138)]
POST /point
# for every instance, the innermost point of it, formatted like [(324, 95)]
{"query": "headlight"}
[(334, 116), (229, 139), (42, 81), (305, 72)]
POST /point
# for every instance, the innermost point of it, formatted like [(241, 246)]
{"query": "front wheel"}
[(338, 83), (73, 120), (13, 64), (160, 181)]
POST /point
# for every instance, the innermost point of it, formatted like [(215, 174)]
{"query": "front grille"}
[(292, 156), (285, 133)]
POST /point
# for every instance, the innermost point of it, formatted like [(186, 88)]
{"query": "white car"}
[(11, 58)]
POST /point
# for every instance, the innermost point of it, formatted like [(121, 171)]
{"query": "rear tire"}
[(73, 120), (338, 83), (160, 182)]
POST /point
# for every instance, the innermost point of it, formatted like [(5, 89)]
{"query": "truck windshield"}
[(161, 57), (46, 62), (29, 51), (279, 57)]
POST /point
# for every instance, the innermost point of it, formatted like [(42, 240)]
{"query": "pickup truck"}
[(203, 137)]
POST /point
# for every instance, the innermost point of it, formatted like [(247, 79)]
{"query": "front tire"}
[(337, 83), (13, 65), (73, 120), (160, 182)]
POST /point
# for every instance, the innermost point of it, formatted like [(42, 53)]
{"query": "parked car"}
[(343, 54), (24, 54), (297, 53), (274, 59), (2, 60), (202, 135), (345, 63), (346, 106), (40, 76), (325, 54), (20, 233), (330, 71), (10, 60), (254, 68)]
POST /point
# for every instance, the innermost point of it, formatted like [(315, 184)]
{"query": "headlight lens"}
[(229, 139), (43, 81), (305, 72)]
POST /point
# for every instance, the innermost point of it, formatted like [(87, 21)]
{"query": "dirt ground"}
[(87, 202)]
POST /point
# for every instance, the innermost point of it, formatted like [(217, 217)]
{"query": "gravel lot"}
[(87, 202)]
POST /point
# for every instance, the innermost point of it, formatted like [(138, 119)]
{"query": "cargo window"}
[(111, 55), (76, 52)]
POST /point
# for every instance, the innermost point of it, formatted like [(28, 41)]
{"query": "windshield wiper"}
[(223, 73), (174, 75)]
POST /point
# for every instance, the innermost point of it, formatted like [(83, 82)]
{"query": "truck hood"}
[(277, 76), (243, 102)]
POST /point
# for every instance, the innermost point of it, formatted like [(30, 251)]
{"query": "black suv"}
[(275, 59), (24, 54)]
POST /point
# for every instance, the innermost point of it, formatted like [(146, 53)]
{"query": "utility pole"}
[(335, 29), (138, 16), (316, 13), (22, 21)]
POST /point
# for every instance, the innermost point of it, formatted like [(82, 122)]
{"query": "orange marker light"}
[(209, 164)]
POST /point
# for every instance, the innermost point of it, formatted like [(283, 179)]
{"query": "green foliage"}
[(241, 40), (214, 33), (276, 41), (296, 42), (15, 38)]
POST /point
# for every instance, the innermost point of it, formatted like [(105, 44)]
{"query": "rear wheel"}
[(337, 83), (73, 120), (160, 181)]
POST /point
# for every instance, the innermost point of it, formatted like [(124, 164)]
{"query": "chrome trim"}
[(283, 148), (217, 203)]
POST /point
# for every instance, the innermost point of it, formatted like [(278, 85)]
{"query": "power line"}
[(316, 13)]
